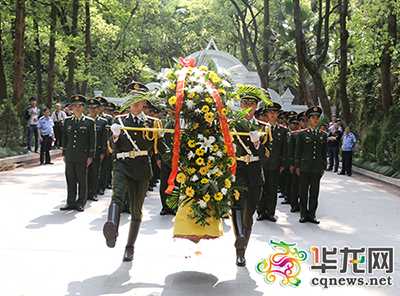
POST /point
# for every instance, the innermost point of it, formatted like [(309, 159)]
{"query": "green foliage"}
[(370, 141), (377, 168), (388, 149), (10, 125)]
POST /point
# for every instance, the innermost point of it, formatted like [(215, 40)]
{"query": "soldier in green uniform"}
[(78, 152), (273, 166), (106, 164), (131, 169), (249, 151), (287, 174), (101, 148), (310, 162)]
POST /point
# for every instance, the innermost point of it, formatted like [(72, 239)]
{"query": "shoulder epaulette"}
[(90, 118), (296, 131), (282, 126), (303, 130), (122, 115), (263, 122), (152, 118), (101, 118), (323, 131)]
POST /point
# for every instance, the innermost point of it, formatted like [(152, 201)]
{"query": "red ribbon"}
[(224, 127), (177, 134)]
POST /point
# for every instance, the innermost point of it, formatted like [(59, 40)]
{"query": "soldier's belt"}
[(131, 154), (248, 158)]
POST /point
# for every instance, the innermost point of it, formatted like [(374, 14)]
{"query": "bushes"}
[(388, 149), (11, 131), (371, 139)]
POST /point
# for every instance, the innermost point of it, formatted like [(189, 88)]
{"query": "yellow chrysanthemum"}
[(240, 85), (212, 75), (218, 174), (203, 170), (216, 79), (203, 68), (200, 151), (190, 211), (228, 183), (204, 181), (210, 164), (218, 196), (221, 91), (168, 74), (232, 160), (225, 149), (180, 178), (215, 148), (224, 111), (209, 117), (191, 95), (199, 161), (205, 109), (192, 143), (189, 191), (237, 195), (172, 86), (209, 100), (191, 171), (206, 197), (172, 100), (237, 97), (195, 125), (221, 167)]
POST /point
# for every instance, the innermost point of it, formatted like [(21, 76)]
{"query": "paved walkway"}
[(44, 251)]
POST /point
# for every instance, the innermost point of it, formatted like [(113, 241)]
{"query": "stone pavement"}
[(44, 251)]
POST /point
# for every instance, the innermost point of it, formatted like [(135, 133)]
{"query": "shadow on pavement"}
[(57, 217), (115, 283)]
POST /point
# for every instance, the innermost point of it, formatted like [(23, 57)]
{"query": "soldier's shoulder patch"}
[(263, 123), (89, 118), (102, 119), (296, 131), (68, 117), (122, 116), (303, 130), (282, 126), (323, 131)]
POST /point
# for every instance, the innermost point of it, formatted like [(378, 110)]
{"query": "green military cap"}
[(77, 99), (103, 101), (273, 107), (315, 110), (117, 108), (302, 116), (293, 119), (281, 116), (290, 114), (249, 98), (110, 106), (136, 86), (258, 112), (93, 103)]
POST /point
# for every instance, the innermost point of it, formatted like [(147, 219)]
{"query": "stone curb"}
[(389, 180), (28, 158)]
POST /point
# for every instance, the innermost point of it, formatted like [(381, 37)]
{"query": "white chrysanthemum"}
[(214, 170), (198, 89), (224, 191), (202, 204), (198, 111), (225, 83), (212, 139), (230, 104), (192, 78), (219, 153), (211, 158), (202, 80), (233, 178), (165, 85), (195, 178), (182, 197), (191, 155), (190, 104), (160, 75), (200, 137)]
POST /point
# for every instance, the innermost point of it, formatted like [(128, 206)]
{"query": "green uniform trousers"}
[(76, 174), (295, 191), (247, 203), (93, 176), (288, 177), (104, 168), (269, 197), (137, 191), (309, 191)]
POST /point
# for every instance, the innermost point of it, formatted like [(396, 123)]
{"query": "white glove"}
[(254, 136), (116, 129)]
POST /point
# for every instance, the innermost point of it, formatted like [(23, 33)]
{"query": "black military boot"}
[(133, 233), (241, 241), (110, 228)]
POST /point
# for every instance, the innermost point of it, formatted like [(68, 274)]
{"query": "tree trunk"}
[(312, 67), (305, 95), (386, 59), (344, 35), (39, 87), (52, 54), (3, 82), (88, 48), (19, 53), (72, 49), (266, 36)]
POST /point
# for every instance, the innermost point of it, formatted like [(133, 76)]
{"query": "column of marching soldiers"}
[(295, 164)]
